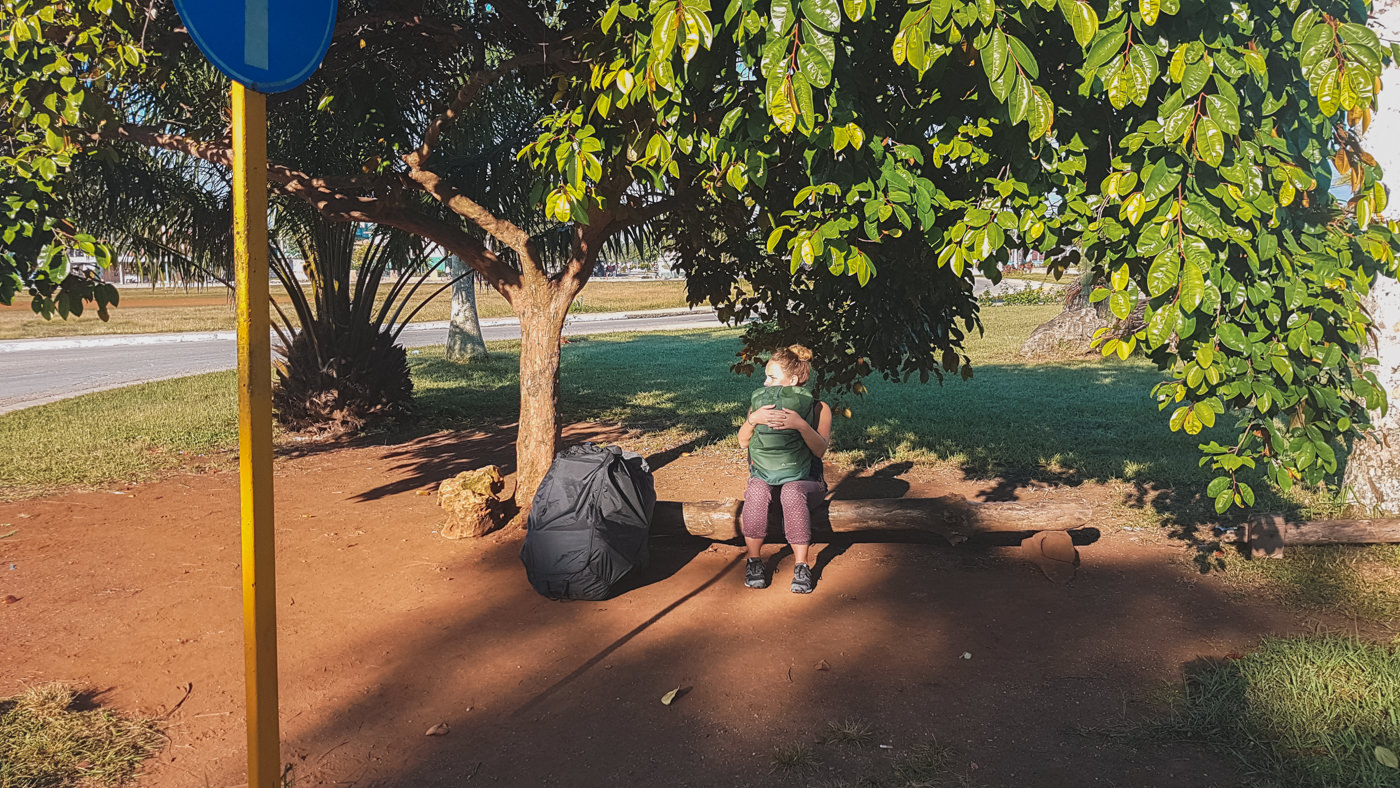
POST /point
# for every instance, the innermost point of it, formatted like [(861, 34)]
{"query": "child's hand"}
[(761, 416), (784, 419)]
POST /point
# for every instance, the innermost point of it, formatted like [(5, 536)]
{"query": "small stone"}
[(439, 729)]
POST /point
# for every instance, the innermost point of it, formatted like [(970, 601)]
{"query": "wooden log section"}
[(1266, 534), (953, 517)]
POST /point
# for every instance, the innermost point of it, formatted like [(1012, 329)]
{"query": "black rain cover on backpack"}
[(589, 522)]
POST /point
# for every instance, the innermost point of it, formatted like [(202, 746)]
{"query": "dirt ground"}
[(386, 630)]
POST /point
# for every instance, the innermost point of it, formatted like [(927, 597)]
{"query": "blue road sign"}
[(268, 45)]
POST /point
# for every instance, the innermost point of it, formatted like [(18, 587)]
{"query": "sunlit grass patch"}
[(125, 434), (45, 741), (1304, 712)]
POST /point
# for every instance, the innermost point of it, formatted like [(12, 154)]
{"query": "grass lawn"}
[(1297, 712), (147, 311)]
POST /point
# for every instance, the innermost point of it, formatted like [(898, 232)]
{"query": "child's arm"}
[(755, 418), (817, 439)]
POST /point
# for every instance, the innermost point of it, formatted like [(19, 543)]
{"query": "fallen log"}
[(952, 516), (1266, 534)]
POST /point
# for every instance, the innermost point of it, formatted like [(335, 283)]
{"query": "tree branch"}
[(465, 96), (322, 195), (505, 231)]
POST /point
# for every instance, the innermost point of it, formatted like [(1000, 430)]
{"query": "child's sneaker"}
[(754, 576), (802, 579)]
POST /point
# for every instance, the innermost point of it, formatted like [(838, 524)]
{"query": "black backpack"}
[(589, 522)]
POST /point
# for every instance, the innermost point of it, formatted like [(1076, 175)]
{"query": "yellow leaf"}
[(1149, 10), (670, 696), (1134, 206)]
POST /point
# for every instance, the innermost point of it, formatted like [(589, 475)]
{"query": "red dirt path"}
[(387, 630)]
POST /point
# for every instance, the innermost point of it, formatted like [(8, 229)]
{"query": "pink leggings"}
[(796, 499)]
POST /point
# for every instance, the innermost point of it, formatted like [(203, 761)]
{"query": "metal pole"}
[(255, 434)]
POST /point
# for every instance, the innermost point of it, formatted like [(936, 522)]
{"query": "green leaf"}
[(1020, 98), (1133, 207), (1178, 124), (1120, 305), (1387, 758), (1104, 49), (813, 65), (1232, 337), (825, 14), (1042, 113), (1217, 485), (1224, 113), (781, 16), (1193, 286), (1082, 18), (1210, 142), (855, 9), (1316, 45), (1161, 325), (1164, 272), (1023, 57), (900, 49), (1161, 183), (1223, 501), (663, 33)]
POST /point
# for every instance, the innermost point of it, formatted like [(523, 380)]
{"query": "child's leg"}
[(754, 522), (797, 498)]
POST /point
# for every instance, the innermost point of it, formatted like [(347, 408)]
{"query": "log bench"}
[(1266, 534), (952, 517)]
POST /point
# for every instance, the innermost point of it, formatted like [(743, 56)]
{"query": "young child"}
[(786, 434)]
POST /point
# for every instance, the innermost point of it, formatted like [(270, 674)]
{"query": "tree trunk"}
[(464, 340), (540, 328), (1373, 468)]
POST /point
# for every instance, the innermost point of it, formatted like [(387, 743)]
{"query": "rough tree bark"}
[(1373, 467), (464, 339)]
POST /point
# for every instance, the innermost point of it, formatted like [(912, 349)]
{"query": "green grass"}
[(1063, 422), (1358, 582), (1298, 712), (794, 757), (850, 732), (125, 434), (146, 311), (1059, 422), (46, 742)]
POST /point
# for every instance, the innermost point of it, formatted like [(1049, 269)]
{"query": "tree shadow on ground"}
[(1019, 427), (570, 694)]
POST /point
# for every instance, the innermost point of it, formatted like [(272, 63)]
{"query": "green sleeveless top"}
[(781, 456)]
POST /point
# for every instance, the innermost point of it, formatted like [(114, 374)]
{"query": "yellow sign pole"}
[(255, 434)]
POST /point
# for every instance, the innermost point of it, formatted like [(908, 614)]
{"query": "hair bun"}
[(801, 351)]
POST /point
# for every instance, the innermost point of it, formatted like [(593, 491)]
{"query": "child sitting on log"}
[(786, 434)]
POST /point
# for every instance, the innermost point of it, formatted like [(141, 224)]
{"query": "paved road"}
[(34, 372)]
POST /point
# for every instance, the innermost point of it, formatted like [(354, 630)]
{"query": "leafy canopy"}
[(1182, 148)]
